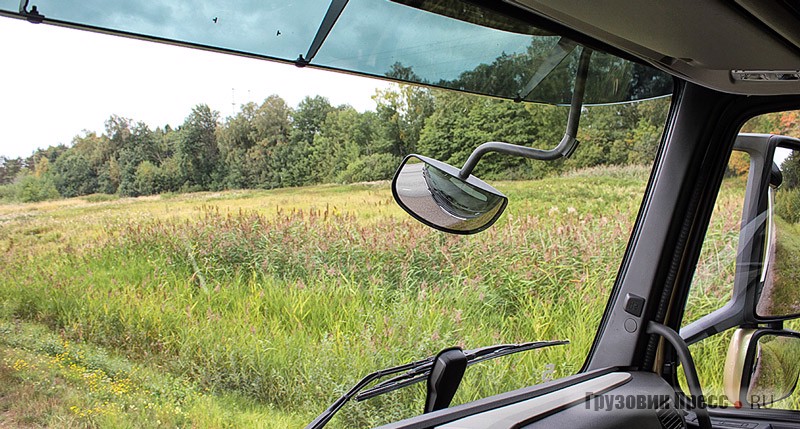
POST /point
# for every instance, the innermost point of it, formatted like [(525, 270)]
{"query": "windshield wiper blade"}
[(418, 371), (326, 415), (474, 356)]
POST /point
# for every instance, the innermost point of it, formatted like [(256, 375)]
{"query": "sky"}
[(58, 82)]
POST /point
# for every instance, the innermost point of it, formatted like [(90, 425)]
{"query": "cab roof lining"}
[(700, 41)]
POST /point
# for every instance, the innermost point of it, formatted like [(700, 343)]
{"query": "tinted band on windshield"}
[(449, 44)]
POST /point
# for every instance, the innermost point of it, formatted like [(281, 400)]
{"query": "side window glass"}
[(712, 284), (777, 293)]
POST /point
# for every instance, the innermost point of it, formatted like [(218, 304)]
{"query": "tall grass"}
[(293, 298), (49, 381)]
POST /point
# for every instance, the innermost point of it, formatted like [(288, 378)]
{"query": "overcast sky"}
[(58, 82)]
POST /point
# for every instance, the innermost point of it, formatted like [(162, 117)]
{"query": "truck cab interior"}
[(722, 62)]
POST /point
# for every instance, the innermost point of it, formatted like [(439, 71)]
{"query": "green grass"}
[(287, 297), (48, 381)]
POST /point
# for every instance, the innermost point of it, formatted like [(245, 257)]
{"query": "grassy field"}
[(261, 307)]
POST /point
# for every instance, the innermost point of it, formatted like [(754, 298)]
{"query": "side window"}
[(712, 285), (758, 296)]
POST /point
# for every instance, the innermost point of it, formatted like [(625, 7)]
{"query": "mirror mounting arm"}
[(33, 16), (564, 148)]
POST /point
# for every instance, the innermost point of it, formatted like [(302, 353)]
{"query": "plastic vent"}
[(670, 417)]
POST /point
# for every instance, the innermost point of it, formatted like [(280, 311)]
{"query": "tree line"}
[(272, 144)]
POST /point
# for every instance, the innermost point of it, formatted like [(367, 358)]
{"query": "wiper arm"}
[(418, 371), (474, 356), (331, 16)]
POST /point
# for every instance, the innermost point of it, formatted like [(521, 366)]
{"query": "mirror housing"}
[(762, 366), (756, 284), (778, 295), (433, 193), (755, 246)]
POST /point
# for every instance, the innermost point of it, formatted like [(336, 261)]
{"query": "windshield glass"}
[(460, 46), (241, 259)]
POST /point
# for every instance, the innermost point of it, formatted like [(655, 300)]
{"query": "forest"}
[(273, 145)]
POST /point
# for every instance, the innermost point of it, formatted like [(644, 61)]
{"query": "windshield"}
[(460, 46), (242, 261)]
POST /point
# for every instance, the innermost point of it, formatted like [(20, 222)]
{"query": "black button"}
[(634, 304)]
